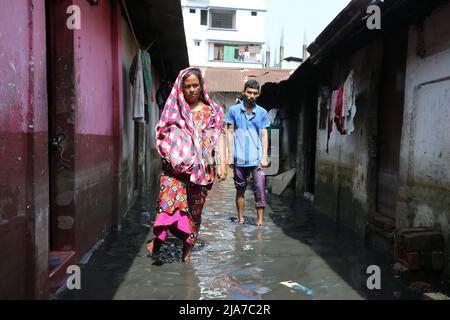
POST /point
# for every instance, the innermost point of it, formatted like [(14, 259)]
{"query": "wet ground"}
[(233, 261)]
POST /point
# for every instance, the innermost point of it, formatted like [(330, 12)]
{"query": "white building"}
[(225, 33)]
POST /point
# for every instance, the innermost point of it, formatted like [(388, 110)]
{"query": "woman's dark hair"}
[(198, 74), (194, 72)]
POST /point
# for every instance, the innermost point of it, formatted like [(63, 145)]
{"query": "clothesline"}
[(342, 109), (132, 29)]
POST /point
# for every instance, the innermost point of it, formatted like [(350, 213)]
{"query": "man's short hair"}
[(253, 84)]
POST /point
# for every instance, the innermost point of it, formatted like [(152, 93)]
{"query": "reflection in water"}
[(247, 284), (230, 266), (182, 285), (232, 261)]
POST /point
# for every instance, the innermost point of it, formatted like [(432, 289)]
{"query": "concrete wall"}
[(218, 64), (127, 175), (249, 29), (344, 182), (288, 140), (95, 151), (247, 4), (424, 195), (290, 65), (253, 4), (89, 105), (86, 100), (148, 162), (198, 55), (152, 158), (305, 142), (227, 99), (24, 186)]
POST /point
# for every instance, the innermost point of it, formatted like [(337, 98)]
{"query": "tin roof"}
[(233, 79)]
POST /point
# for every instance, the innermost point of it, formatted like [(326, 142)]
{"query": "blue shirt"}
[(247, 150)]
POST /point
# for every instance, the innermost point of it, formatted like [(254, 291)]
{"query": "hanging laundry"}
[(339, 111), (137, 92), (342, 108), (349, 120), (348, 93), (331, 115), (349, 103), (147, 72)]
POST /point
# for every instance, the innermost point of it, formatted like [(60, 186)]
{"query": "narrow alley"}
[(232, 261), (99, 98)]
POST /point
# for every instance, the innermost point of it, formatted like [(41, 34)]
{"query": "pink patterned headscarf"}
[(176, 139)]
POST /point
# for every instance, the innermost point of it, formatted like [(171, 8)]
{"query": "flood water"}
[(296, 255)]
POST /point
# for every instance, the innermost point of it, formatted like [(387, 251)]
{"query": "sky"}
[(295, 17)]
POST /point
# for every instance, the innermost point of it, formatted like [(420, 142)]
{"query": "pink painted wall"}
[(85, 66), (97, 143), (23, 150), (93, 65), (16, 62)]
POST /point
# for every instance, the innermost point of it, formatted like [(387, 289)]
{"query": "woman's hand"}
[(222, 172)]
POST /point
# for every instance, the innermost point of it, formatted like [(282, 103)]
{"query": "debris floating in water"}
[(298, 286)]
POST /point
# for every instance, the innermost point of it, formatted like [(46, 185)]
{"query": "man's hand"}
[(264, 163), (230, 163), (222, 172)]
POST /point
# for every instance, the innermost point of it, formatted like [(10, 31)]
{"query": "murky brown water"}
[(233, 261)]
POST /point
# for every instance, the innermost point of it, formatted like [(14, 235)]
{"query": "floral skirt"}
[(179, 208)]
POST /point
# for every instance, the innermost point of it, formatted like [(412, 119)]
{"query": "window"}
[(236, 53), (225, 52), (204, 17), (254, 13), (218, 52), (192, 10), (230, 53), (249, 53), (223, 19), (197, 43)]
